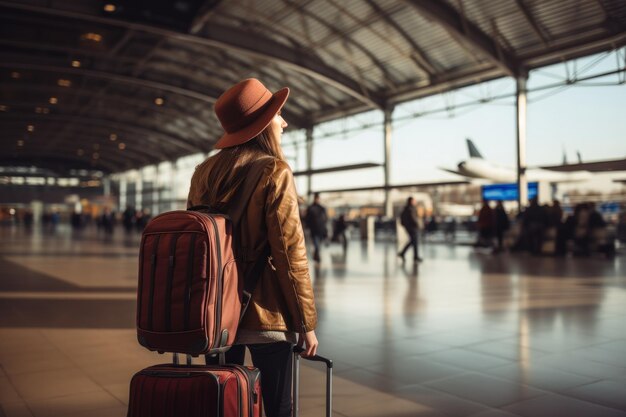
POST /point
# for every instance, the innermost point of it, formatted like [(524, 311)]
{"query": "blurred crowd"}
[(545, 230)]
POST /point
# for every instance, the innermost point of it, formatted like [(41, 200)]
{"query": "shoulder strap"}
[(243, 195), (238, 206)]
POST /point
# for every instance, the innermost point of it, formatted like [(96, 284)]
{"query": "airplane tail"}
[(473, 150)]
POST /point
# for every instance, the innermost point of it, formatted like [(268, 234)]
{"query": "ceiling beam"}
[(66, 49), (204, 14), (144, 154), (444, 82), (156, 138), (233, 40), (533, 22), (44, 159), (560, 50), (113, 101), (418, 55), (466, 31), (154, 85), (51, 166), (209, 96)]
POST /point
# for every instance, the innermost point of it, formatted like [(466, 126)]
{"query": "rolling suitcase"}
[(172, 390)]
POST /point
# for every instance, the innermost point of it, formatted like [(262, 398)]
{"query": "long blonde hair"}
[(228, 167)]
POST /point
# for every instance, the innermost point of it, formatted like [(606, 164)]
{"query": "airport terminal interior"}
[(510, 310)]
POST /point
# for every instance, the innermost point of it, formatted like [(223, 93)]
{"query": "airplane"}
[(478, 167)]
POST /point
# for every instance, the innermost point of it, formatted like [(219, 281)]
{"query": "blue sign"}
[(507, 192), (609, 207)]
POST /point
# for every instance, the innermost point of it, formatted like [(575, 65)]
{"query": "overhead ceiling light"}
[(3, 107), (20, 143), (31, 128), (15, 75), (38, 110), (53, 100), (76, 64), (91, 36), (110, 8), (159, 101), (95, 155), (46, 110), (64, 83), (80, 152), (122, 146), (113, 137)]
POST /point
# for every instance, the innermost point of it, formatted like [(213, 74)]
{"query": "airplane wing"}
[(395, 187), (452, 171), (337, 168), (598, 166)]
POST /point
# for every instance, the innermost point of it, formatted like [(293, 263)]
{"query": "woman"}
[(282, 303)]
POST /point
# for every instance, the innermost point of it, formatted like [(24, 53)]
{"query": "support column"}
[(139, 190), (522, 182), (174, 176), (123, 197), (106, 186), (309, 158), (155, 192), (387, 164)]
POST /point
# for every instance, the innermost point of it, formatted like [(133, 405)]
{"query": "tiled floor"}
[(463, 334)]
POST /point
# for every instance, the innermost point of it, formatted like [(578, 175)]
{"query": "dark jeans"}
[(274, 360), (317, 242), (413, 235)]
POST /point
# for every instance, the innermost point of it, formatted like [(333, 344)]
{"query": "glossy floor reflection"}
[(461, 334)]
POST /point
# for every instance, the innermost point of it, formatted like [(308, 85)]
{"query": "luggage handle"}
[(176, 361), (296, 379), (316, 358)]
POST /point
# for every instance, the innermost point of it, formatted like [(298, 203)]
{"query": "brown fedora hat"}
[(245, 110)]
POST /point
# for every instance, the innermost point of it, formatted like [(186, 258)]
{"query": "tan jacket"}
[(283, 298)]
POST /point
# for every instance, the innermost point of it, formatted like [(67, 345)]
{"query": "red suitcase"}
[(195, 391)]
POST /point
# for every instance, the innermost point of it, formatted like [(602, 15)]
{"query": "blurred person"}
[(410, 222), (107, 221), (28, 218), (555, 214), (128, 219), (316, 220), (502, 224), (581, 233), (282, 304), (599, 238), (485, 225), (621, 227), (142, 217), (533, 224), (339, 231), (450, 229)]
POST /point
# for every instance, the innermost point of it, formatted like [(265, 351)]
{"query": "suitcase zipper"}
[(252, 378), (170, 282), (192, 253), (153, 261), (218, 299)]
